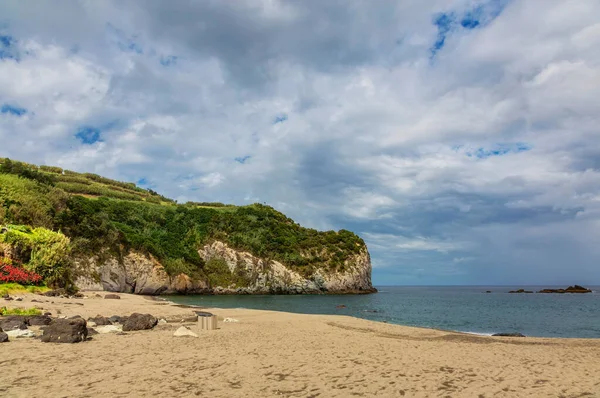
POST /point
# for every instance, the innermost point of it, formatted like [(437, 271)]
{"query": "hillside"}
[(121, 237)]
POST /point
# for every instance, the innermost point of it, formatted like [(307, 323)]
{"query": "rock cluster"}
[(570, 289)]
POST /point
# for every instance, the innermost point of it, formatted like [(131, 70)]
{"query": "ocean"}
[(457, 308)]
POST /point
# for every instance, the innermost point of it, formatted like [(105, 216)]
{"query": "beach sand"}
[(275, 354)]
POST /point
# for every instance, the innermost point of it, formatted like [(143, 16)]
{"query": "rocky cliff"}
[(143, 274)]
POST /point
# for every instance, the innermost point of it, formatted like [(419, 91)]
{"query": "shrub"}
[(12, 272), (19, 311)]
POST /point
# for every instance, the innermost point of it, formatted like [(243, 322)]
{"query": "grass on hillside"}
[(19, 311), (15, 288)]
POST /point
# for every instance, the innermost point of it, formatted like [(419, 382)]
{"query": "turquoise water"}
[(459, 308)]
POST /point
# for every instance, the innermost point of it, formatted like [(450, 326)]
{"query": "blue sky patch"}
[(477, 17), (168, 60), (242, 159), (7, 48), (280, 118), (88, 135), (499, 150), (13, 110)]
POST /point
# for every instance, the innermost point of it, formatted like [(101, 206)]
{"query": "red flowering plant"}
[(13, 272)]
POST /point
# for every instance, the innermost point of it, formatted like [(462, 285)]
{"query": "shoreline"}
[(481, 334), (272, 353)]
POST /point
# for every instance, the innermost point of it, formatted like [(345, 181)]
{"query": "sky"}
[(459, 138)]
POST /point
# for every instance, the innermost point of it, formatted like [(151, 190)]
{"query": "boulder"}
[(109, 329), (521, 291), (92, 332), (139, 322), (3, 337), (115, 319), (13, 322), (39, 320), (72, 330), (112, 296), (508, 335), (184, 332), (100, 320)]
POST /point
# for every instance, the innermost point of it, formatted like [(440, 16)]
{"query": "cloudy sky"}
[(459, 138)]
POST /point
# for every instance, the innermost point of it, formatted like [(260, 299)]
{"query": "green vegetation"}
[(15, 288), (95, 214), (19, 311), (46, 252)]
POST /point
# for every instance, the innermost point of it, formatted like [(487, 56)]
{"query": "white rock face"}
[(275, 277), (143, 274), (136, 273), (184, 332)]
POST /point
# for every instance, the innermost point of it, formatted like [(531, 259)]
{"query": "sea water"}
[(458, 308)]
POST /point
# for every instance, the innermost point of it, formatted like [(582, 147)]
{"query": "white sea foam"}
[(475, 333)]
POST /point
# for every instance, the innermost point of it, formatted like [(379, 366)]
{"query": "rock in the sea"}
[(139, 322), (20, 333), (521, 291), (3, 337), (13, 322), (509, 335), (112, 296), (183, 332), (100, 320), (570, 289), (72, 330)]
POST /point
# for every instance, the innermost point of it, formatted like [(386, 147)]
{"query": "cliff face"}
[(135, 273), (141, 274), (274, 277)]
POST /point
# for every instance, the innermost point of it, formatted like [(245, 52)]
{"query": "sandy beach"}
[(271, 354)]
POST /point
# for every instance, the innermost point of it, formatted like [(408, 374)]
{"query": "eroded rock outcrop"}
[(143, 274), (274, 277), (135, 273)]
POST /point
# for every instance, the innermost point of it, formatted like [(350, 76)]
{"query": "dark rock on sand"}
[(116, 319), (39, 320), (139, 322), (112, 296), (570, 289), (72, 330), (509, 335), (100, 320), (13, 322), (3, 337), (92, 331), (7, 297), (56, 293), (521, 291)]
